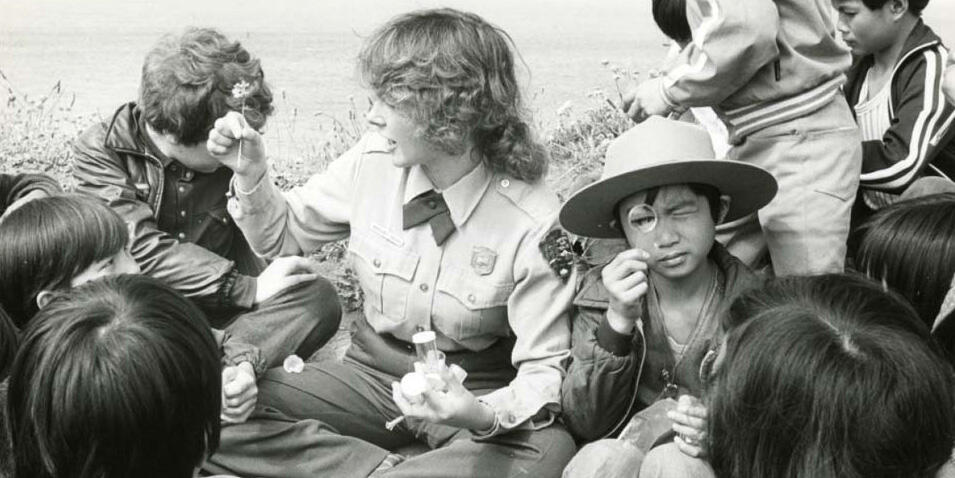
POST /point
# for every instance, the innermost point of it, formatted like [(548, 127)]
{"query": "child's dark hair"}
[(187, 83), (47, 242), (829, 376), (8, 346), (452, 73), (117, 377), (915, 6), (670, 16), (910, 246)]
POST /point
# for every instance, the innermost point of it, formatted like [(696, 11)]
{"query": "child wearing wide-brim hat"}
[(644, 321)]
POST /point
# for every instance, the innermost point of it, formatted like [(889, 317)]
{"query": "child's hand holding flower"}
[(223, 143)]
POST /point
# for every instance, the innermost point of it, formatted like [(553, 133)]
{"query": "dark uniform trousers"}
[(329, 421)]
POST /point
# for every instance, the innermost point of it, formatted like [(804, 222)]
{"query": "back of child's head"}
[(910, 246), (915, 6), (47, 242), (670, 16), (188, 80), (453, 74), (829, 376), (115, 378), (8, 345), (9, 342)]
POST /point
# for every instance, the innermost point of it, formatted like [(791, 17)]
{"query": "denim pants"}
[(329, 421), (297, 320), (816, 160)]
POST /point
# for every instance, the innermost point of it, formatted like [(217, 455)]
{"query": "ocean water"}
[(94, 48)]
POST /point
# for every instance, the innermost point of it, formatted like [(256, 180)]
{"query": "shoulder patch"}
[(558, 252)]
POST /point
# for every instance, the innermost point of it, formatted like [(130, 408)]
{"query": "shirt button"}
[(432, 204), (182, 235), (182, 213), (182, 189), (505, 183), (471, 298), (376, 262), (423, 287), (188, 174)]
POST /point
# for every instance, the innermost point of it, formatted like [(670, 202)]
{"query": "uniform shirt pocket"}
[(469, 306), (385, 273)]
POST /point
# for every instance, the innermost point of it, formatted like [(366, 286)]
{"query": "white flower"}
[(241, 90), (293, 364)]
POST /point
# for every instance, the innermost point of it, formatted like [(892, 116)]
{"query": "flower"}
[(241, 90), (293, 364)]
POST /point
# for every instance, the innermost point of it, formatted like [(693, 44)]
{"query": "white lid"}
[(424, 337)]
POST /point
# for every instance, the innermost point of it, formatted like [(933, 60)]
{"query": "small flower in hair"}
[(240, 91)]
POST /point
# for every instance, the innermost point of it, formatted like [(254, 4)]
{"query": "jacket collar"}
[(461, 197), (127, 134), (921, 37)]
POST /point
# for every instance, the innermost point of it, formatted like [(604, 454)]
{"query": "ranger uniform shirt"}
[(488, 281)]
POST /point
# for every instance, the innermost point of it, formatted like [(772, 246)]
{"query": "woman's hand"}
[(456, 407), (689, 422), (223, 143), (239, 393), (625, 278)]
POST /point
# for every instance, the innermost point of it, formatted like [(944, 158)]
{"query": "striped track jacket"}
[(920, 140)]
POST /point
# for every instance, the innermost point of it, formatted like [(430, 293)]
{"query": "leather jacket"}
[(115, 162), (599, 393)]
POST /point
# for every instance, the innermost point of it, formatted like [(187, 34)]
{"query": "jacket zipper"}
[(162, 178)]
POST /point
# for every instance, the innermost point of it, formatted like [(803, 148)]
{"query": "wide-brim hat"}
[(662, 152)]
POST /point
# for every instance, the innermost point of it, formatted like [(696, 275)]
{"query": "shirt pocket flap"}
[(383, 258), (473, 292)]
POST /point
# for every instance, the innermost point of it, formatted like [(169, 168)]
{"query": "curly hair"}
[(452, 73), (187, 84)]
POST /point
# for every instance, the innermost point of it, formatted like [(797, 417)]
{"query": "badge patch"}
[(482, 260), (558, 252)]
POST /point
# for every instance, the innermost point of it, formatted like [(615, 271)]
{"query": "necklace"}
[(670, 388)]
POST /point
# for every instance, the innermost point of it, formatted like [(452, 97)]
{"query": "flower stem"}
[(239, 159)]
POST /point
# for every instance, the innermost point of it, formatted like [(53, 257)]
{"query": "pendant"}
[(670, 389)]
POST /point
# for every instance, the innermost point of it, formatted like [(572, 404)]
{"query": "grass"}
[(35, 136)]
